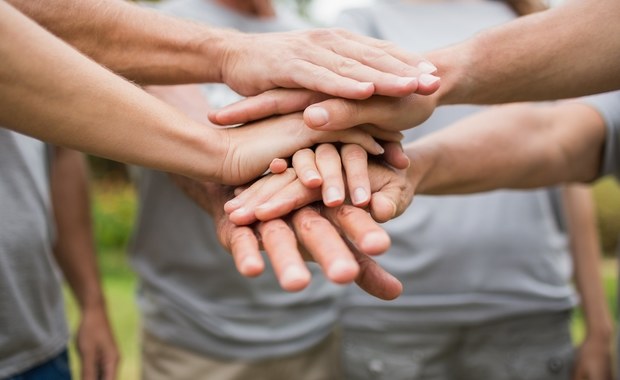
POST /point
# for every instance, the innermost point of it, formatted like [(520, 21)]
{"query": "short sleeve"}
[(608, 105)]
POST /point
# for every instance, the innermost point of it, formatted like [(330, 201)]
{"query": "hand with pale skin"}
[(247, 153), (151, 48), (339, 239), (326, 113), (276, 195)]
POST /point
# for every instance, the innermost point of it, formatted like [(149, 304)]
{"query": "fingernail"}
[(249, 266), (374, 243), (379, 148), (232, 205), (294, 278), (426, 67), (312, 175), (318, 116), (360, 195), (238, 213), (428, 79), (365, 86), (332, 195), (342, 271), (405, 81)]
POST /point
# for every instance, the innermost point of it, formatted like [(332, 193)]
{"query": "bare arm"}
[(152, 48), (75, 253), (571, 50), (594, 360), (513, 146)]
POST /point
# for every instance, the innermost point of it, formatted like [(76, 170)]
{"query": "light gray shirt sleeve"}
[(608, 105)]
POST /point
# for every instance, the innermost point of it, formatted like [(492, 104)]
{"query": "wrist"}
[(457, 71), (218, 45), (422, 159)]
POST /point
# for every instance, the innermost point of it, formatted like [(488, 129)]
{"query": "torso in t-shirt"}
[(462, 259), (190, 293), (32, 319)]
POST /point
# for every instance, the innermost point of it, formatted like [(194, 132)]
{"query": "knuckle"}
[(345, 212), (273, 230), (347, 65), (354, 152)]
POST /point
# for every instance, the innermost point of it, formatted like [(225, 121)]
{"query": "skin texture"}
[(594, 355), (547, 55), (75, 253), (119, 121), (162, 50)]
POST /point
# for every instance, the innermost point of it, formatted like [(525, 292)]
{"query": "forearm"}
[(585, 250), (53, 93), (74, 249), (559, 53), (516, 146), (138, 43)]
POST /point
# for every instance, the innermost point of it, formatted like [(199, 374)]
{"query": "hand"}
[(593, 360), (276, 195), (250, 149), (326, 113), (331, 61), (96, 346), (313, 234)]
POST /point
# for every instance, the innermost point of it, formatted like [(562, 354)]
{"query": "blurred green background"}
[(114, 209)]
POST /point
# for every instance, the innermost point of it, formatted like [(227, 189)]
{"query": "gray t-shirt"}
[(462, 259), (32, 318), (190, 293), (608, 105)]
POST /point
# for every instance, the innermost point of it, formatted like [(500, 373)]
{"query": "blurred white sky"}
[(325, 11)]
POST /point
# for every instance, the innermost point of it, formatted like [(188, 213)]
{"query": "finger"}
[(278, 165), (375, 280), (336, 114), (257, 194), (243, 246), (416, 64), (110, 363), (280, 244), (324, 244), (382, 134), (359, 228), (88, 359), (391, 76), (395, 156), (272, 102), (325, 78), (382, 207), (305, 167), (330, 167), (355, 162), (295, 195)]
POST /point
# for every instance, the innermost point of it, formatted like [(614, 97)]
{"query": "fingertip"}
[(232, 205), (375, 243), (342, 271), (382, 208), (316, 116), (311, 179), (333, 197), (428, 84), (242, 216), (295, 278), (251, 266)]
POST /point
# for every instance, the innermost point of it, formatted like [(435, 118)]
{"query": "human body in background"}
[(74, 102), (487, 278), (45, 217), (201, 318)]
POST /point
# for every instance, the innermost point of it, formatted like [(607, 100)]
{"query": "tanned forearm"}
[(568, 51), (74, 248), (514, 146), (138, 43), (52, 92), (586, 254)]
